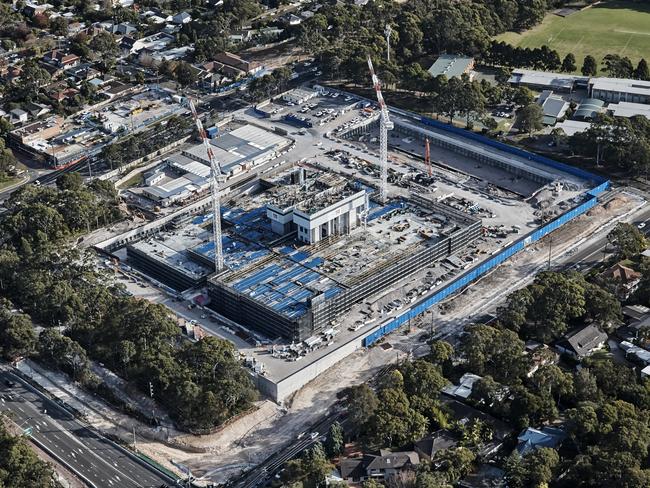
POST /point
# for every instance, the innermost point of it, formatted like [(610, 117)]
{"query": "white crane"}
[(216, 178), (388, 32), (385, 125)]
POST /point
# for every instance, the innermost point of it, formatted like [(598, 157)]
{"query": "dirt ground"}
[(252, 439)]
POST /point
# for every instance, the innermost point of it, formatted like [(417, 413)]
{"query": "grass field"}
[(612, 27)]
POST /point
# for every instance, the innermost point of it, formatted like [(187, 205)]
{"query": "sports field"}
[(612, 27)]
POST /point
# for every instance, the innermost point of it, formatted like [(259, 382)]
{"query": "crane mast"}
[(216, 178), (385, 125), (427, 155)]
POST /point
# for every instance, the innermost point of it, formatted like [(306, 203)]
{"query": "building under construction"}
[(319, 244)]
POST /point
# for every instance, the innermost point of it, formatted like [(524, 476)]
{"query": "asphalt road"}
[(588, 256), (100, 463), (261, 474)]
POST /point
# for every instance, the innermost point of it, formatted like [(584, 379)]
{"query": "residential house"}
[(625, 279), (583, 342), (32, 9), (18, 116), (294, 19), (181, 18), (75, 28), (637, 318), (36, 110), (635, 353), (645, 372), (530, 439), (61, 59), (241, 37), (464, 389), (540, 355), (377, 466), (233, 65), (82, 72), (428, 446), (464, 414), (486, 476)]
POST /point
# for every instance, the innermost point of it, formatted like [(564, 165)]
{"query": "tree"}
[(334, 444), (559, 136), (530, 118), (441, 352), (641, 72), (602, 307), (185, 74), (523, 96), (557, 299), (394, 422), (490, 351), (17, 335), (589, 66), (569, 63), (105, 49), (627, 240), (362, 403), (20, 467), (514, 314), (617, 66), (455, 463), (534, 470)]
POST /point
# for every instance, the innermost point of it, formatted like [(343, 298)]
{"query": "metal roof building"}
[(451, 65), (589, 108)]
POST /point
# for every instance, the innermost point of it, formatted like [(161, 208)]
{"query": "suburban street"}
[(97, 461)]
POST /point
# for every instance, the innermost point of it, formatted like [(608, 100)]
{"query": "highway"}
[(259, 475), (98, 462)]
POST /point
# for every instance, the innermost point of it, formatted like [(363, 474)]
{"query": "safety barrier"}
[(467, 134), (491, 263), (487, 265)]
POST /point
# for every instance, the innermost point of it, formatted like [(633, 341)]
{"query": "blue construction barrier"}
[(467, 134), (487, 265), (491, 263)]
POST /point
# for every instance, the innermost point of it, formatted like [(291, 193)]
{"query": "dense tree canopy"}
[(20, 467)]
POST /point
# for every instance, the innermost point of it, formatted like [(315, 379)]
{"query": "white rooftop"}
[(623, 85), (571, 127), (629, 109), (543, 78)]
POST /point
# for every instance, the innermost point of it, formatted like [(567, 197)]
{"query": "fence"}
[(487, 265)]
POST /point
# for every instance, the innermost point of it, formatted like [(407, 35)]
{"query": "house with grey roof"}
[(428, 446), (583, 342), (181, 18), (377, 466)]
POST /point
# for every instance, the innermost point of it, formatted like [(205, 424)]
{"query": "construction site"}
[(340, 241)]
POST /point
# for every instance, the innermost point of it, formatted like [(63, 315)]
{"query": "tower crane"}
[(385, 125), (427, 156), (216, 179)]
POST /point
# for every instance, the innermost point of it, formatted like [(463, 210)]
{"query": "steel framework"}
[(385, 124), (216, 179)]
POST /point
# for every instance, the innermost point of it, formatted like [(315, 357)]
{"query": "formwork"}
[(321, 309)]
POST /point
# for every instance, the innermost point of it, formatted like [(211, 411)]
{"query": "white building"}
[(299, 96), (315, 219), (629, 109), (620, 90)]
